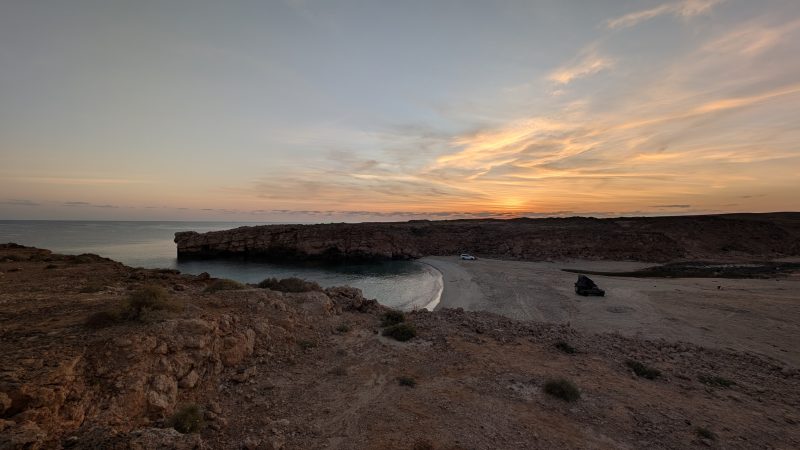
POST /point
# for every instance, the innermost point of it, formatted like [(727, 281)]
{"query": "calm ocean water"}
[(400, 284)]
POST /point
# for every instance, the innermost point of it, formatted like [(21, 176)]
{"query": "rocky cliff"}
[(719, 237)]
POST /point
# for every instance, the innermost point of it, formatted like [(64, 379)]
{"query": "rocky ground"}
[(311, 370)]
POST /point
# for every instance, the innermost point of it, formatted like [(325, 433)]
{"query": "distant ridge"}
[(721, 237)]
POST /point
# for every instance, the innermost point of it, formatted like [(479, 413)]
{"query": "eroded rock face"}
[(348, 298), (641, 238), (137, 376), (333, 242)]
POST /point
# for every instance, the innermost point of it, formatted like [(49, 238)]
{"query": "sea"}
[(404, 285)]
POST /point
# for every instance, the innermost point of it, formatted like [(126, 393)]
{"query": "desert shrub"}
[(642, 370), (406, 381), (188, 419), (705, 433), (563, 389), (51, 266), (343, 328), (289, 285), (92, 288), (392, 317), (14, 258), (565, 347), (717, 381), (151, 297), (305, 344), (223, 284), (102, 319), (401, 332), (85, 258), (137, 307)]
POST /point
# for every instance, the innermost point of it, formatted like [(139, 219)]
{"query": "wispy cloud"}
[(78, 181), (683, 8), (87, 205), (752, 39), (588, 63), (18, 202)]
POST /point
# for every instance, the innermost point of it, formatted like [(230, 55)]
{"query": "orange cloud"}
[(588, 63)]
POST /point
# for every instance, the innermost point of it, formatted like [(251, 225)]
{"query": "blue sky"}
[(340, 110)]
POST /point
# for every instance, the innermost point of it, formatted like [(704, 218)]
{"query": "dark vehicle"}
[(586, 287)]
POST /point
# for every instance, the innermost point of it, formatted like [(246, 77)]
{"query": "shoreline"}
[(458, 288), (431, 305)]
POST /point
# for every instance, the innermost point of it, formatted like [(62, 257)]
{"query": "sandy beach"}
[(760, 316)]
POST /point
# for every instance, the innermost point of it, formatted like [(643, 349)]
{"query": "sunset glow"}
[(298, 111)]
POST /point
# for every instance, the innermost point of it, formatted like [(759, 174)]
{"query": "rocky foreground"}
[(263, 369), (731, 237)]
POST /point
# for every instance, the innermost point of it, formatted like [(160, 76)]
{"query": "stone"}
[(251, 443), (276, 442), (5, 402), (214, 407), (244, 375), (236, 347), (190, 380), (161, 399)]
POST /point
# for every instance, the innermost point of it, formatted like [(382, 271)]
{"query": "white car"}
[(468, 257)]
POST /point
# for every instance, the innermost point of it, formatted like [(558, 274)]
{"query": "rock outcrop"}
[(656, 239)]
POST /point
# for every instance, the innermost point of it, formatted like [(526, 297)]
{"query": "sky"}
[(316, 111)]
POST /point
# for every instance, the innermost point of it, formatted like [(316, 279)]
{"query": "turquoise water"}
[(400, 284)]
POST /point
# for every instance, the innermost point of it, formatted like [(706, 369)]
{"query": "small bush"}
[(642, 370), (85, 258), (289, 285), (137, 306), (188, 419), (305, 345), (223, 285), (102, 319), (705, 433), (51, 266), (565, 347), (406, 381), (401, 332), (343, 328), (92, 288), (149, 298), (563, 389), (392, 318), (14, 258), (713, 380)]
